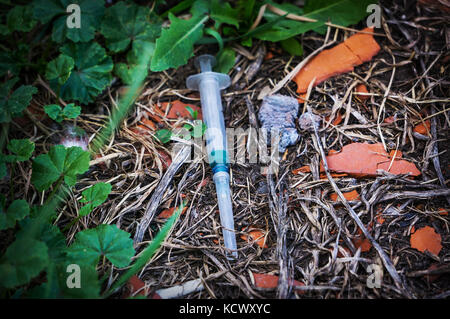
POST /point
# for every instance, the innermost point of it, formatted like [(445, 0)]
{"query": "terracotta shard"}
[(342, 58), (353, 195), (257, 235), (268, 281), (423, 128), (178, 109), (363, 160), (361, 88), (169, 212), (426, 238)]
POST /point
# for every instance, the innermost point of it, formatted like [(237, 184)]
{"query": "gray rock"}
[(279, 112)]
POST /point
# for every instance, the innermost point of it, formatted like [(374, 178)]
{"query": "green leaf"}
[(200, 8), (24, 259), (18, 210), (199, 129), (284, 29), (60, 68), (163, 135), (91, 13), (8, 63), (71, 111), (127, 72), (21, 149), (340, 12), (124, 23), (20, 18), (12, 105), (94, 196), (193, 113), (59, 162), (54, 111), (149, 251), (2, 167), (56, 286), (292, 46), (176, 44), (57, 114), (104, 240), (91, 73), (222, 12), (225, 60)]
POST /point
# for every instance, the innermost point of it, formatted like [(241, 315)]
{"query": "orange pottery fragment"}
[(337, 119), (169, 212), (178, 109), (135, 284), (363, 160), (353, 195), (342, 58), (426, 238), (271, 281), (361, 88), (269, 56), (257, 235), (423, 128), (362, 242)]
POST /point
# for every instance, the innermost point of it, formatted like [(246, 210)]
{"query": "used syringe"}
[(209, 84)]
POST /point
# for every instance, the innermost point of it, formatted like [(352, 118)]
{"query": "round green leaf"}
[(91, 73), (104, 240), (24, 259)]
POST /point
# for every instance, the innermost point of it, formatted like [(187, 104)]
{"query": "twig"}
[(150, 212)]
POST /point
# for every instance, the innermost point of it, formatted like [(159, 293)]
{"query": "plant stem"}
[(4, 135), (55, 189)]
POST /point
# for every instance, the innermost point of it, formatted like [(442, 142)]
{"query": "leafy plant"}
[(21, 150), (55, 11), (59, 164), (176, 44), (18, 210), (94, 196), (104, 240), (12, 104), (58, 114), (59, 69), (20, 18), (91, 73), (126, 23)]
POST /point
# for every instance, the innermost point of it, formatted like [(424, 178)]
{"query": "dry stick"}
[(281, 223), (384, 102), (177, 161), (416, 195), (384, 257)]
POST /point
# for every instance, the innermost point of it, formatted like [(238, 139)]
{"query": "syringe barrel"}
[(222, 181), (216, 139)]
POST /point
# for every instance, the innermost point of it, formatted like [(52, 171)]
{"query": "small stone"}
[(308, 121), (279, 112)]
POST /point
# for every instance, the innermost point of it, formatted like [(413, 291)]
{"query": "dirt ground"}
[(309, 237)]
